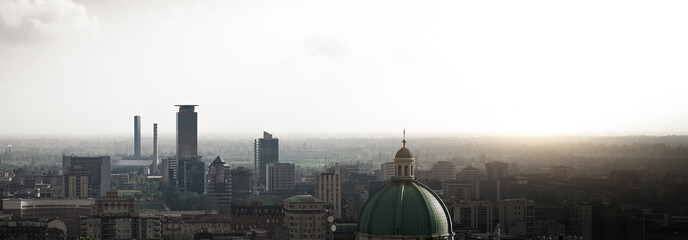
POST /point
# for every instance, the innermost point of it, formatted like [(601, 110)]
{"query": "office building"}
[(305, 217), (280, 177), (487, 189), (114, 217), (266, 151), (241, 185), (329, 189), (76, 182), (190, 172), (137, 137), (219, 184), (98, 170), (386, 171)]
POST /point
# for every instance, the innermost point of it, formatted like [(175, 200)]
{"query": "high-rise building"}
[(98, 170), (386, 171), (497, 170), (137, 137), (266, 151), (187, 132), (241, 186), (190, 172), (305, 217), (329, 189), (280, 177), (219, 184), (76, 182)]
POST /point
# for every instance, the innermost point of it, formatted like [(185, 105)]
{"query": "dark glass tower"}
[(190, 171), (137, 137), (187, 132), (266, 151)]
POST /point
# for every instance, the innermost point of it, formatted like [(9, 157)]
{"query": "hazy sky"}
[(467, 67)]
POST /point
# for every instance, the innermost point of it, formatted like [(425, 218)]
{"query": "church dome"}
[(404, 153), (403, 209)]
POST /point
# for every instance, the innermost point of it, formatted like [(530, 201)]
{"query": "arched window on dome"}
[(411, 169), (406, 171), (399, 172)]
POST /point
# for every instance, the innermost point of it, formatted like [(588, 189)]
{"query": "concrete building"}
[(241, 185), (98, 169), (76, 183), (280, 177), (67, 210), (137, 137), (187, 225), (477, 216), (219, 184), (497, 170), (329, 189), (34, 230), (387, 171), (266, 151), (305, 217), (443, 170), (257, 216), (516, 217), (114, 217)]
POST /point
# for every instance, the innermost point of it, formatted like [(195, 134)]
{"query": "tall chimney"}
[(137, 137), (155, 148)]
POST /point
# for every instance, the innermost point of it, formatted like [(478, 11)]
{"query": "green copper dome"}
[(405, 208)]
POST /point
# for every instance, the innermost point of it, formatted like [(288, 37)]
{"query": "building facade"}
[(329, 189), (280, 177), (219, 184), (516, 217), (305, 217), (98, 169), (387, 171), (76, 183), (241, 185), (190, 172), (67, 210)]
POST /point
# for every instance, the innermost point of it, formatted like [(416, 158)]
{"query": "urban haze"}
[(343, 120)]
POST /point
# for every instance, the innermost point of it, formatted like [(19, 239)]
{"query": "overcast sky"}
[(86, 67)]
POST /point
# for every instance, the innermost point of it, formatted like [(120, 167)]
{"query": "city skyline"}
[(327, 67)]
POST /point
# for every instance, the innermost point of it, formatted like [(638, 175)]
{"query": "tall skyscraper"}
[(98, 170), (329, 189), (190, 171), (154, 165), (266, 151), (137, 137), (187, 132), (219, 184)]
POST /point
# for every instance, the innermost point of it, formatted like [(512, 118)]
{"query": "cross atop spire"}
[(404, 141)]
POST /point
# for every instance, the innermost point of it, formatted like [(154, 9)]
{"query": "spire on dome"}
[(404, 141)]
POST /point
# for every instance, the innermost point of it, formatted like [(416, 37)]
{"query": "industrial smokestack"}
[(137, 137), (155, 148)]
